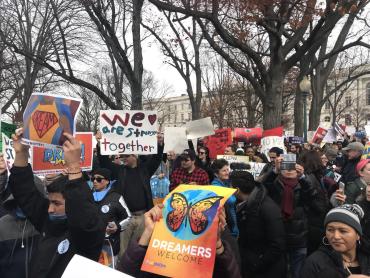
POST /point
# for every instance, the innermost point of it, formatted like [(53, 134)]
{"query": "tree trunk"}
[(298, 112), (272, 108), (136, 88)]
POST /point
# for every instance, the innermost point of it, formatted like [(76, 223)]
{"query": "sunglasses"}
[(201, 152), (99, 179)]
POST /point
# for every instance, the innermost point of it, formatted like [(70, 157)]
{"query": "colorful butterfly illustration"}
[(196, 214)]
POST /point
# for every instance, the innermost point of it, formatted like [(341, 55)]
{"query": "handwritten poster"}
[(128, 132), (46, 118), (9, 152), (234, 158), (256, 168), (248, 135), (183, 243), (51, 160), (199, 128), (8, 130), (271, 141), (218, 142)]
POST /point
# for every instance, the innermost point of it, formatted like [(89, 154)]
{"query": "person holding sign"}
[(295, 195), (225, 264), (133, 183), (68, 220)]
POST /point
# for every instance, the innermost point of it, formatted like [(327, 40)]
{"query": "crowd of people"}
[(306, 218)]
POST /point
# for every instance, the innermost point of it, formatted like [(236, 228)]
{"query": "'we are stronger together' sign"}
[(128, 132)]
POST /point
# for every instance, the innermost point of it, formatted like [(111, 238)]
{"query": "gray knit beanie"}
[(347, 214)]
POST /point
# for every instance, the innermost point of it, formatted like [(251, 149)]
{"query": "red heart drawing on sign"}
[(152, 119), (43, 121)]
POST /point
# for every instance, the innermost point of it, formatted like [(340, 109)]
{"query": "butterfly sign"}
[(183, 243)]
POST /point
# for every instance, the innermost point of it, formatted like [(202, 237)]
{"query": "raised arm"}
[(84, 220), (23, 188)]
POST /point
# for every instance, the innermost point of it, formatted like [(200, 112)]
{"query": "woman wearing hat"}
[(340, 253), (111, 205)]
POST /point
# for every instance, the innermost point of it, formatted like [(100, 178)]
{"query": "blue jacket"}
[(230, 208)]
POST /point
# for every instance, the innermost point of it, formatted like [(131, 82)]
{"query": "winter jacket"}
[(230, 209), (349, 170), (81, 233), (353, 190), (145, 169), (225, 264), (305, 201), (365, 224), (18, 239), (316, 217), (326, 260), (261, 236), (114, 209)]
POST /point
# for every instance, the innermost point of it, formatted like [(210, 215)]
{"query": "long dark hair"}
[(311, 162)]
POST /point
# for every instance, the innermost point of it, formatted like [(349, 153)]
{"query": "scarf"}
[(99, 195), (287, 202)]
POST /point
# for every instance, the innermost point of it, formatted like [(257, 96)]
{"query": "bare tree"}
[(290, 30), (183, 52)]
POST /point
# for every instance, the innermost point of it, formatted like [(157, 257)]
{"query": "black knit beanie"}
[(347, 214), (104, 172)]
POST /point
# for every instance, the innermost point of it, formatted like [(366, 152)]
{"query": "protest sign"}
[(295, 140), (277, 131), (218, 142), (271, 141), (175, 139), (234, 158), (199, 128), (183, 243), (319, 135), (256, 168), (106, 255), (46, 118), (350, 130), (248, 135), (9, 153), (51, 160), (8, 130), (331, 136), (81, 267), (128, 132)]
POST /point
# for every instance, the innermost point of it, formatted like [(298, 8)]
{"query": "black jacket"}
[(112, 208), (349, 170), (325, 260), (261, 236), (146, 169), (316, 217), (82, 233), (305, 201)]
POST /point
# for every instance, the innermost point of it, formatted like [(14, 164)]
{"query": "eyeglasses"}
[(202, 152), (98, 179)]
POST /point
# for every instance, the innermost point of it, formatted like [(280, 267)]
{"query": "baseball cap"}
[(188, 153), (355, 146)]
